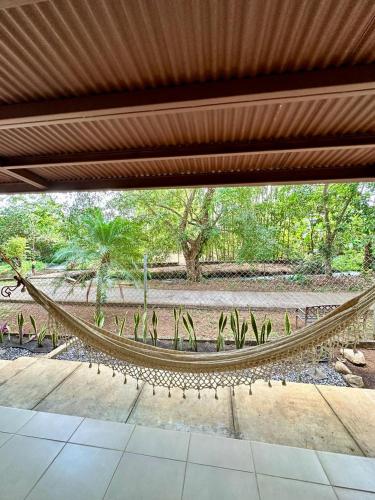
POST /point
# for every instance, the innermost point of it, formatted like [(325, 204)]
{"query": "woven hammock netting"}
[(344, 326)]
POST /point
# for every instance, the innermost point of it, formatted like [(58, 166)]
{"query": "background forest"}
[(329, 226)]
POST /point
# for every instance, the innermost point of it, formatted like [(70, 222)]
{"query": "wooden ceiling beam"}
[(331, 82), (318, 143)]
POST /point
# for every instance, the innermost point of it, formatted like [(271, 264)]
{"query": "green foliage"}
[(220, 337), (20, 323), (99, 319), (15, 247), (261, 334), (351, 261), (188, 323), (177, 312), (238, 330), (41, 334), (144, 326), (54, 332), (105, 249), (154, 330), (287, 325), (136, 320), (120, 325)]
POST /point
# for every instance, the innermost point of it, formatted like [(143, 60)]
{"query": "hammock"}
[(188, 370)]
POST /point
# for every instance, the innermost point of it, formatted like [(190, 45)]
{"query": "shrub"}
[(352, 261)]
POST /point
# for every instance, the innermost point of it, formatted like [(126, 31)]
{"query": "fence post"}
[(145, 283)]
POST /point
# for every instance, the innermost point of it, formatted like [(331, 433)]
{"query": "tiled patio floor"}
[(48, 456), (324, 418)]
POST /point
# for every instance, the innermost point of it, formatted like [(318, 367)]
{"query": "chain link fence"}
[(282, 291)]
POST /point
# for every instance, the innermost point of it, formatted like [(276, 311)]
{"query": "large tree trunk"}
[(368, 260), (193, 268), (192, 251), (327, 256)]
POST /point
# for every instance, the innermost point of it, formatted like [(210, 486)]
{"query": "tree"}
[(106, 250), (195, 221), (336, 201), (15, 248)]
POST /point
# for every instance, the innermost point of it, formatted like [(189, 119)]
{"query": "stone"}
[(317, 373), (340, 367), (355, 357), (354, 380)]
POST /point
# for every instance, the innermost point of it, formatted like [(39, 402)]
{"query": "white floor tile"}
[(220, 452), (23, 460), (104, 434), (141, 477), (78, 473), (51, 426), (288, 462), (348, 471), (12, 419), (211, 483), (345, 494), (271, 488), (159, 443)]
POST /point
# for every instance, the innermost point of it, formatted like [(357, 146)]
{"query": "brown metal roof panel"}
[(66, 47), (211, 166), (319, 117)]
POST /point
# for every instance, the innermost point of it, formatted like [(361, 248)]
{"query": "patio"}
[(83, 458), (325, 418)]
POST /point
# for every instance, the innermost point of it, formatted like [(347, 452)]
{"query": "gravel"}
[(324, 374), (11, 353)]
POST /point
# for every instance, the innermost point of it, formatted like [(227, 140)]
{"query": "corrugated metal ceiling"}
[(59, 48), (295, 119), (238, 163), (69, 47)]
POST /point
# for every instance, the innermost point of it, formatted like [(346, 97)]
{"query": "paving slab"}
[(87, 394), (12, 368), (356, 410), (28, 387), (191, 414), (294, 415), (4, 363)]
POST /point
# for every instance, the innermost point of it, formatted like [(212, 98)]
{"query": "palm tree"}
[(105, 251)]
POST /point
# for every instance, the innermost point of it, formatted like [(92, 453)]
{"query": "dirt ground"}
[(205, 320), (366, 372)]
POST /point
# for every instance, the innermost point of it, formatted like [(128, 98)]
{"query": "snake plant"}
[(287, 325), (177, 312), (120, 325), (20, 323), (262, 334), (137, 318), (154, 330), (188, 323), (220, 338), (99, 319), (238, 330)]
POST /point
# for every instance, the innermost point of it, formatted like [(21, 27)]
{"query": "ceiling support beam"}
[(29, 178), (249, 178), (278, 88), (210, 150)]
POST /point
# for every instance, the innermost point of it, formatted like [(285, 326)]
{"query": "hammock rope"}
[(187, 370)]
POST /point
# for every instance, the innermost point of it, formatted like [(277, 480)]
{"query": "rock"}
[(340, 367), (354, 380), (316, 373), (355, 357)]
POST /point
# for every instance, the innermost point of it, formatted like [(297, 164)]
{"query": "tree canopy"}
[(332, 224)]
